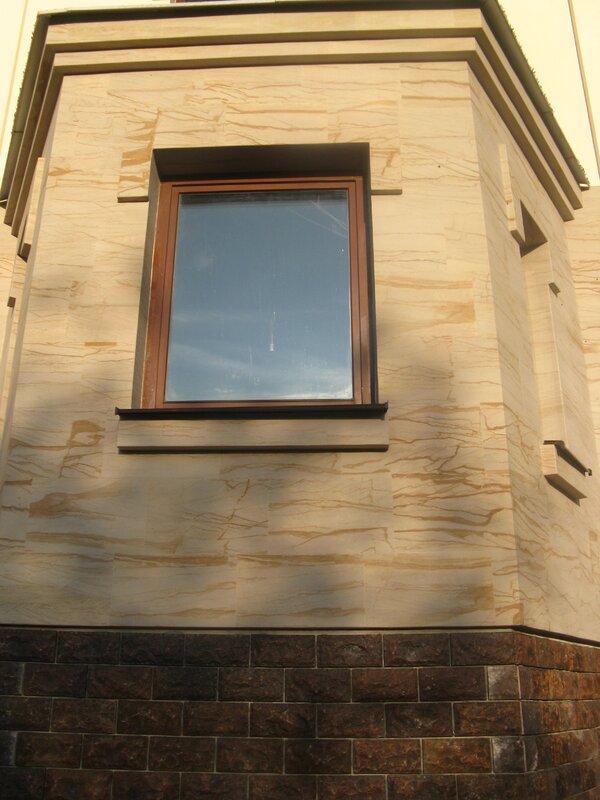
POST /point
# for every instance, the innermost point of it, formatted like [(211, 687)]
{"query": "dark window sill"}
[(356, 411), (253, 428)]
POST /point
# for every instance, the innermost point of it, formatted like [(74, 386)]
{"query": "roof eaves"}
[(491, 10)]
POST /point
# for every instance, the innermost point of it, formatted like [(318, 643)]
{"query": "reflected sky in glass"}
[(261, 297)]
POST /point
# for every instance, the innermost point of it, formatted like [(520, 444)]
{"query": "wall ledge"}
[(300, 428)]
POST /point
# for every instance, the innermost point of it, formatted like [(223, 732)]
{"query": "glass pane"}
[(261, 297)]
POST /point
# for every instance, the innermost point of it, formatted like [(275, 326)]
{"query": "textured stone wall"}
[(94, 536), (440, 716)]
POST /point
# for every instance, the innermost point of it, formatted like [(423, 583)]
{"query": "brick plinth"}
[(110, 715)]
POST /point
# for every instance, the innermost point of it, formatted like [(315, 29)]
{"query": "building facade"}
[(300, 409)]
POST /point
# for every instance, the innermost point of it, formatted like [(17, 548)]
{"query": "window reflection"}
[(260, 304)]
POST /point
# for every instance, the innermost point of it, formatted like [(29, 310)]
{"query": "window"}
[(259, 295)]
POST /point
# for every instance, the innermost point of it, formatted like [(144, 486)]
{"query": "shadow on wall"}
[(300, 540)]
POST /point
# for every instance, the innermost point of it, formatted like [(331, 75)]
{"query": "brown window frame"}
[(163, 262)]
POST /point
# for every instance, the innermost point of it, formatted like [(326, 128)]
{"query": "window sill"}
[(259, 428), (563, 471)]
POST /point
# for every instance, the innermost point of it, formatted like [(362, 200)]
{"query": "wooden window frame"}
[(163, 262)]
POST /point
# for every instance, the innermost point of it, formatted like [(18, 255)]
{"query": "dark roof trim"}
[(491, 10), (202, 8), (506, 37)]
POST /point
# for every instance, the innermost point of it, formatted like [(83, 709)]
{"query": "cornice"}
[(276, 32)]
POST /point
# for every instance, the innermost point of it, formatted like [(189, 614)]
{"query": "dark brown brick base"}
[(114, 715)]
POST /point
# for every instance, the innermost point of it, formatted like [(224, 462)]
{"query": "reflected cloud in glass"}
[(261, 297)]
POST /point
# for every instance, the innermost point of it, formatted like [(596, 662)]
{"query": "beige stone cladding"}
[(545, 382), (454, 524)]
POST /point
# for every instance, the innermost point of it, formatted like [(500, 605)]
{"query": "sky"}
[(544, 30), (543, 27)]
